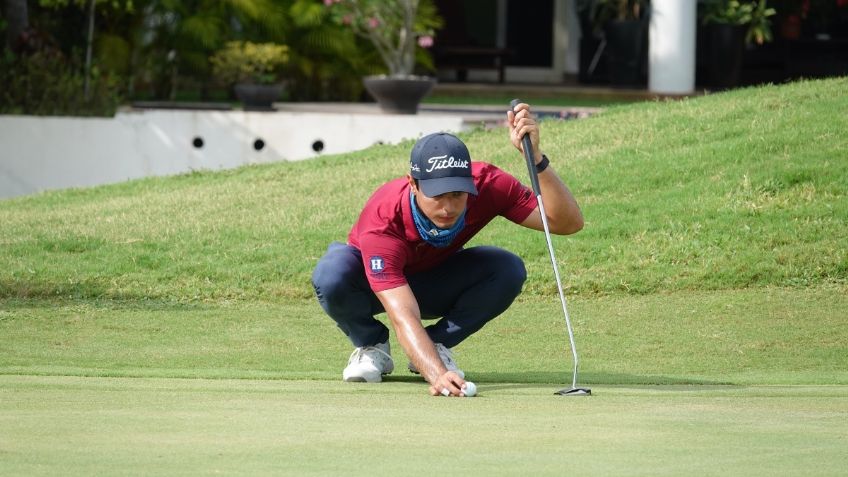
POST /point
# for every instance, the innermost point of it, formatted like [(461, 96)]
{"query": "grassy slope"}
[(727, 191)]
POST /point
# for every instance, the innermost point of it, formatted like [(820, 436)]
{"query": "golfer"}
[(405, 256)]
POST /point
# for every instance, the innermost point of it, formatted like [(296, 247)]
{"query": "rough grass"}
[(771, 336)]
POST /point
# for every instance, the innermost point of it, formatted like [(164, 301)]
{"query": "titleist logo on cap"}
[(444, 162), (440, 163)]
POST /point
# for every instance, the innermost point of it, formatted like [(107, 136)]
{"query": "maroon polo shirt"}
[(391, 247)]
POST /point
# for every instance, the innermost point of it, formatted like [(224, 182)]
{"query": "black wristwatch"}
[(543, 164)]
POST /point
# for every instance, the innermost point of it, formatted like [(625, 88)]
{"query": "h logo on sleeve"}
[(377, 264)]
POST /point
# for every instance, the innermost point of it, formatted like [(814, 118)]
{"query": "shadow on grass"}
[(105, 303), (554, 382), (548, 378)]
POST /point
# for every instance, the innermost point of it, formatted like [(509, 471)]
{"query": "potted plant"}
[(733, 24), (622, 24), (397, 29), (254, 69)]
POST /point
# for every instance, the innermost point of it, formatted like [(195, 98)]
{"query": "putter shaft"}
[(559, 289), (534, 180)]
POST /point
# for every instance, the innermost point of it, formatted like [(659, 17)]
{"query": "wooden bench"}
[(464, 58)]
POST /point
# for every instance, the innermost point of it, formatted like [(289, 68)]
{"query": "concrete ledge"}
[(470, 115), (549, 91), (41, 153), (188, 105)]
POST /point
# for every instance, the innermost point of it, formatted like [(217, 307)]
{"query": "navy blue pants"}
[(466, 291)]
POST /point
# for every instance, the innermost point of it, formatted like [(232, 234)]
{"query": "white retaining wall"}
[(42, 153)]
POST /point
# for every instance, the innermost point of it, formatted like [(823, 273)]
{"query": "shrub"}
[(246, 62), (45, 83)]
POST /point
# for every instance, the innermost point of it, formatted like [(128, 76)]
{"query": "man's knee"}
[(512, 272), (502, 271), (506, 267)]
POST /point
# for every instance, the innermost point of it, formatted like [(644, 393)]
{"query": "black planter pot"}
[(399, 95), (258, 97), (625, 48), (727, 49)]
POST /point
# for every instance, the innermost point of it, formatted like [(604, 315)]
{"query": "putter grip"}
[(528, 154)]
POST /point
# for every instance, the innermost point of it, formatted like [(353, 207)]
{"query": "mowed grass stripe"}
[(84, 426), (758, 336)]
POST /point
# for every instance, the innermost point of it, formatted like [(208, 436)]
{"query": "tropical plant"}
[(326, 62), (46, 83), (395, 28), (751, 13), (247, 62), (170, 42)]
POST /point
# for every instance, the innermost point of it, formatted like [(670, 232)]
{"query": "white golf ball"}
[(469, 389)]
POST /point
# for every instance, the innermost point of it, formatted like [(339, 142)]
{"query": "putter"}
[(534, 180)]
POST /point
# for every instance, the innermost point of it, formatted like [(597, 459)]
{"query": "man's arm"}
[(563, 213), (402, 307)]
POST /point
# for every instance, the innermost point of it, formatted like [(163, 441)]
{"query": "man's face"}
[(444, 209)]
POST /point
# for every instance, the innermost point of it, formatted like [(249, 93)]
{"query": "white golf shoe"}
[(446, 355), (369, 363)]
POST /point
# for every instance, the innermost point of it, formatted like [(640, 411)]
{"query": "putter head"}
[(574, 392)]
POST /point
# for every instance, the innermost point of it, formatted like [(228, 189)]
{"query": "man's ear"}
[(412, 184)]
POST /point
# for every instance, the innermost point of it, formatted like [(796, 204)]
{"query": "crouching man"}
[(405, 256)]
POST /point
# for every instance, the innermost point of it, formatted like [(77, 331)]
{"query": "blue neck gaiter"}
[(429, 232)]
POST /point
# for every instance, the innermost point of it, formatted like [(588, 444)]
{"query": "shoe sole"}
[(362, 379)]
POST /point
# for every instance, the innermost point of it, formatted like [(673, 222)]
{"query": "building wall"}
[(561, 29)]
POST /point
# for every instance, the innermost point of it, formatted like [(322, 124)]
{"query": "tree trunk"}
[(89, 45), (17, 17)]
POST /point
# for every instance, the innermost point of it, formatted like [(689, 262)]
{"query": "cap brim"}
[(443, 185)]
